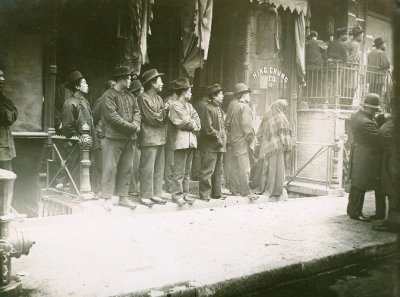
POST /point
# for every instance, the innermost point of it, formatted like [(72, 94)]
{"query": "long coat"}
[(366, 152), (8, 115), (390, 169)]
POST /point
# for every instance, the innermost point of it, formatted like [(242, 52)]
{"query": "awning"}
[(301, 6)]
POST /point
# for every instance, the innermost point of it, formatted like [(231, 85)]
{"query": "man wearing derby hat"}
[(365, 159), (8, 115), (185, 121), (74, 114), (337, 49), (241, 139), (152, 138), (212, 145), (121, 122), (378, 65)]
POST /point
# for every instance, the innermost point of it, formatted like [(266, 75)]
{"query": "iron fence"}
[(340, 85)]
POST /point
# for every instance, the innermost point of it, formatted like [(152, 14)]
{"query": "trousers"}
[(117, 166), (239, 178), (152, 161), (210, 178), (181, 171), (356, 203)]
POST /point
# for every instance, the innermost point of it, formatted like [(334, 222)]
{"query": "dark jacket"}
[(390, 170), (8, 115), (212, 133), (366, 152), (314, 52), (338, 51), (74, 114), (154, 120), (239, 125), (120, 114)]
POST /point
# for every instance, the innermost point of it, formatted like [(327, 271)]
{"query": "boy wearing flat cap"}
[(120, 116)]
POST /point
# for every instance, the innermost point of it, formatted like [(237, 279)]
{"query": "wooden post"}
[(85, 143)]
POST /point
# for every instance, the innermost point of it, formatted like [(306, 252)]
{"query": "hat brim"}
[(369, 105), (152, 77), (244, 91), (183, 87), (215, 91)]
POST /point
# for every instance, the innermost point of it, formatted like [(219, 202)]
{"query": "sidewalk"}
[(211, 251)]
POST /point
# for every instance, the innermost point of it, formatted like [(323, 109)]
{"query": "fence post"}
[(50, 154), (334, 184), (85, 143)]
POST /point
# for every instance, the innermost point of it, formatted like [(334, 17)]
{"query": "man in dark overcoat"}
[(212, 145), (365, 159)]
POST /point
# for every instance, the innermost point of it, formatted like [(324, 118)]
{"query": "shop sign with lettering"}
[(269, 76)]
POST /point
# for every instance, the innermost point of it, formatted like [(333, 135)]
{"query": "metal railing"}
[(340, 85)]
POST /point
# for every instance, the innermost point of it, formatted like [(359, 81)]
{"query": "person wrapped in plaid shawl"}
[(275, 139)]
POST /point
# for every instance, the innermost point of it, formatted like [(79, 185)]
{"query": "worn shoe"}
[(125, 201), (204, 198), (252, 196), (188, 199), (146, 201), (179, 200), (222, 197), (361, 219), (158, 200), (108, 204)]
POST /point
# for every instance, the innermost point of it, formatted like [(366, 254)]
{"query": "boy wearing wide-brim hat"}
[(241, 138), (378, 64), (121, 122), (152, 138), (75, 113), (212, 145), (365, 161), (183, 140)]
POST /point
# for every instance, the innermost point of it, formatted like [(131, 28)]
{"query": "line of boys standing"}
[(133, 117)]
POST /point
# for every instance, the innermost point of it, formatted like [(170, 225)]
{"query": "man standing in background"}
[(8, 115), (378, 64)]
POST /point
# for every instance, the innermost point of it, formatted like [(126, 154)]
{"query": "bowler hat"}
[(135, 85), (149, 75), (72, 77), (121, 71), (180, 83), (356, 30), (313, 34), (371, 100), (215, 88), (378, 41), (241, 88)]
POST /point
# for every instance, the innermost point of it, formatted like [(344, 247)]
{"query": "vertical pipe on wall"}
[(246, 52), (51, 68)]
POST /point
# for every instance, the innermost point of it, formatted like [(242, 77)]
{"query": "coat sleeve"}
[(150, 115), (371, 131), (136, 114), (179, 116), (109, 112), (247, 124), (206, 124), (195, 120), (8, 113), (69, 116), (97, 111), (385, 64)]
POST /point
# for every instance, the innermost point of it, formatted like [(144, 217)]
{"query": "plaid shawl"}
[(275, 132)]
